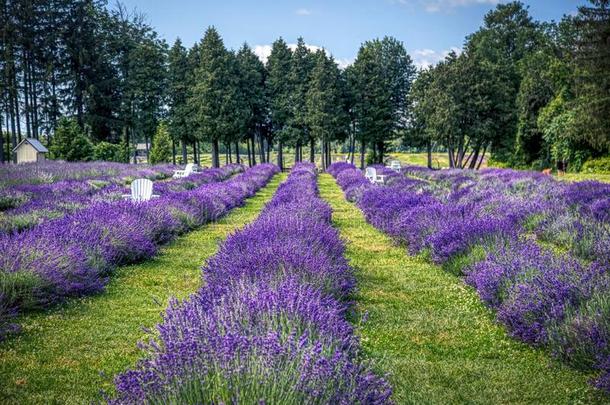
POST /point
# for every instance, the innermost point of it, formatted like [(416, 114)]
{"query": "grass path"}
[(431, 333), (68, 354)]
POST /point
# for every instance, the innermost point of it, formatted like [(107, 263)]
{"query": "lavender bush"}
[(486, 224), (26, 204), (269, 324), (74, 255)]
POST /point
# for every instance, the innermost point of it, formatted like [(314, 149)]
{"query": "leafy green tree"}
[(382, 76), (507, 36), (70, 143), (279, 91), (161, 151), (110, 152)]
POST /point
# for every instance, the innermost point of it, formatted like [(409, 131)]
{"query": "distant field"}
[(439, 160)]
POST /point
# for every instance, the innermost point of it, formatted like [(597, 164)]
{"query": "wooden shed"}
[(30, 150)]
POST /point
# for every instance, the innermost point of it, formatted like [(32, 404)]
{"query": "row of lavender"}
[(269, 325), (68, 187), (75, 255), (536, 250)]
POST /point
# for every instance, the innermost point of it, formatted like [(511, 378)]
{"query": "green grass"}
[(60, 354), (433, 335), (604, 177)]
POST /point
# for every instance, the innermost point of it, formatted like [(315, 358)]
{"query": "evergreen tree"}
[(209, 93), (177, 96), (300, 72), (71, 143), (251, 73), (592, 54), (161, 151), (325, 114), (279, 91)]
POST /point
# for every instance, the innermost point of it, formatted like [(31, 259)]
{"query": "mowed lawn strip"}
[(431, 333), (67, 354)]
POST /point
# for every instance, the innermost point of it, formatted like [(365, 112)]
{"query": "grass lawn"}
[(67, 354), (431, 333)]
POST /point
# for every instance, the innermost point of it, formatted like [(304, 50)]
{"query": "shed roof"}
[(35, 144)]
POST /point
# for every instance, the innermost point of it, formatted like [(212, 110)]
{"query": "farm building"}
[(30, 150)]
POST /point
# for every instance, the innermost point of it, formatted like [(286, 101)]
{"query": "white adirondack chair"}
[(395, 165), (141, 190), (190, 168), (371, 174)]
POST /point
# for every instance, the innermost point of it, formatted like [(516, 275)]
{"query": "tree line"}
[(91, 82), (535, 94)]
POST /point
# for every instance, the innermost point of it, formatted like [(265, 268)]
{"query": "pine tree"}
[(300, 72), (279, 90), (208, 96), (177, 96), (252, 86), (70, 143), (324, 113), (161, 151)]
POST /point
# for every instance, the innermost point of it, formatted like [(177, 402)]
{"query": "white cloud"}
[(423, 58), (434, 6), (263, 52), (302, 11)]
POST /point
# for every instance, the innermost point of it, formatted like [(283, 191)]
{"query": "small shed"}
[(30, 150)]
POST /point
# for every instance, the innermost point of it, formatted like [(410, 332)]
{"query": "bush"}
[(161, 151), (599, 165), (70, 143), (110, 152)]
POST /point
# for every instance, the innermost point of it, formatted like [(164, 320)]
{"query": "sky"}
[(429, 29)]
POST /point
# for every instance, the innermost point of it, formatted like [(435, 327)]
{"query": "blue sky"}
[(428, 28)]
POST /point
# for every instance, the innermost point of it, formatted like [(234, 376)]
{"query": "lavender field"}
[(300, 301), (537, 251)]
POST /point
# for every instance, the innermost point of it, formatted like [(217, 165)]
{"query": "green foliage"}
[(599, 165), (110, 152), (592, 57), (381, 78), (161, 151), (70, 143), (324, 112)]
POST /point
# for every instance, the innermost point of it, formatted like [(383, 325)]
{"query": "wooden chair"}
[(141, 190)]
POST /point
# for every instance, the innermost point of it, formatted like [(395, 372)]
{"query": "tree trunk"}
[(312, 149), (451, 162), (280, 155), (482, 156), (184, 156), (238, 161), (268, 150), (474, 158), (215, 152), (173, 151), (253, 149), (261, 147), (195, 153), (2, 142), (429, 151), (362, 152), (26, 95), (249, 154)]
